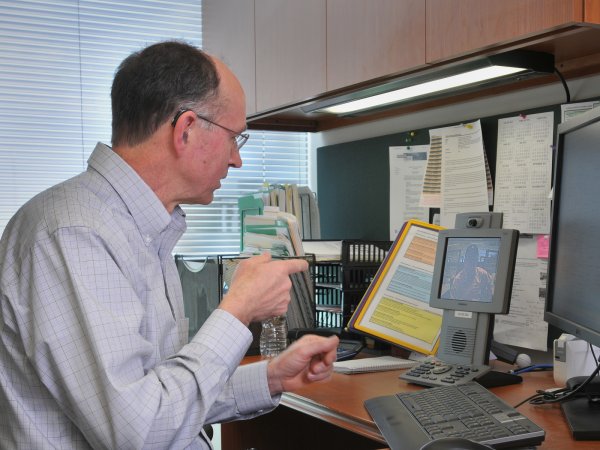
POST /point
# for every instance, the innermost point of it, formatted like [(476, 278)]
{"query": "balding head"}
[(152, 84)]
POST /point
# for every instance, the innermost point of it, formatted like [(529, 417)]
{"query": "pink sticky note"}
[(543, 245)]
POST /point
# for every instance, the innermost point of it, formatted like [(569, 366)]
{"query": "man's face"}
[(214, 148), (215, 155)]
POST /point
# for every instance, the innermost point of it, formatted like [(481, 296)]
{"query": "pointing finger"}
[(292, 265)]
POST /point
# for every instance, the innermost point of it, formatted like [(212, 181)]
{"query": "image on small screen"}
[(470, 269)]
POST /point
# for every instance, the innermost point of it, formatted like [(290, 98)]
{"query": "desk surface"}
[(339, 401)]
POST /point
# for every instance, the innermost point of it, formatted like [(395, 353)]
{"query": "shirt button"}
[(148, 239)]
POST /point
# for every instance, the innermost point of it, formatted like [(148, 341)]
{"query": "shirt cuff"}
[(251, 389)]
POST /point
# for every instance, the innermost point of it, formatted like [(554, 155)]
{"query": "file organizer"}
[(301, 310), (340, 285), (200, 288)]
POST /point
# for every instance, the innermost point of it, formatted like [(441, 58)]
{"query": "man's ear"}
[(181, 130)]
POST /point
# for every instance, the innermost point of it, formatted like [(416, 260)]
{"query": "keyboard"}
[(433, 372), (409, 420)]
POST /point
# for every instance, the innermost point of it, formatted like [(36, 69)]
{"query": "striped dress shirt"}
[(93, 339)]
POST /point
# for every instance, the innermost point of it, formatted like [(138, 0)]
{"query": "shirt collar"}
[(145, 207)]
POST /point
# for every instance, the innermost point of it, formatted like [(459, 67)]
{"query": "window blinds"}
[(57, 61)]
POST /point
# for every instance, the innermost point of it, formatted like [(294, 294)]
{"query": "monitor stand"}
[(583, 413), (583, 418), (466, 339)]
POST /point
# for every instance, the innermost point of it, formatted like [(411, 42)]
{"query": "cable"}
[(594, 354), (539, 393), (559, 395), (564, 394), (532, 368), (564, 83)]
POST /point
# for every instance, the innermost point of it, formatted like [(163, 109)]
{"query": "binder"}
[(395, 308)]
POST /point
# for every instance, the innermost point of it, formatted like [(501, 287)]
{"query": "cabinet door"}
[(290, 51), (456, 27), (370, 39), (228, 33)]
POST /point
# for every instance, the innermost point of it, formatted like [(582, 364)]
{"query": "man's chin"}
[(207, 200)]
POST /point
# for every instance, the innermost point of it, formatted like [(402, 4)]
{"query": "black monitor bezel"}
[(564, 324), (504, 273)]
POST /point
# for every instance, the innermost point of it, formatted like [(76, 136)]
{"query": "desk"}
[(331, 415)]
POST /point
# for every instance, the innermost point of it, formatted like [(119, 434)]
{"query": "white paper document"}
[(375, 364), (524, 326), (324, 250), (524, 172), (464, 183), (407, 169), (570, 110)]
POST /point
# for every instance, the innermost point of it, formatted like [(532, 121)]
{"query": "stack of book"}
[(278, 233), (274, 231), (290, 198)]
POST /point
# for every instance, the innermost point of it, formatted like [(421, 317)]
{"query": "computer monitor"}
[(573, 286), (472, 280), (474, 270)]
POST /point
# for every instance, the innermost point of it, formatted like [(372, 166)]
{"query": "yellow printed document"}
[(395, 307)]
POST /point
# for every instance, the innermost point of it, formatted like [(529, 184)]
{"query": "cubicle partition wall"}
[(354, 179)]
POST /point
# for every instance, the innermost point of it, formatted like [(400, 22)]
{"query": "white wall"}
[(553, 94)]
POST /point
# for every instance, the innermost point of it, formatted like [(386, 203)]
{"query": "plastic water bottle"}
[(273, 336)]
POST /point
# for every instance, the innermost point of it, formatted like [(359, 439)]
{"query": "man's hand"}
[(307, 360), (260, 288)]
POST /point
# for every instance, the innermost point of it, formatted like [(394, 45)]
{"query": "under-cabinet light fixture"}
[(439, 82)]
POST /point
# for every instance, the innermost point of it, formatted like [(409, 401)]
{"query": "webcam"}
[(474, 222), (477, 219)]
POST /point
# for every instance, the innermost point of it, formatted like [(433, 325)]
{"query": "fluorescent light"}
[(429, 87), (436, 82)]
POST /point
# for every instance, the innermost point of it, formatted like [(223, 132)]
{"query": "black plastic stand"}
[(583, 417), (494, 378), (583, 412)]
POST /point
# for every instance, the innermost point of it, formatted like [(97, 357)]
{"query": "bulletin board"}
[(354, 180)]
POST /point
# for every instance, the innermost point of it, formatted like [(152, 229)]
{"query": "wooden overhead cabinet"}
[(457, 28), (371, 39), (290, 51), (228, 33), (275, 47)]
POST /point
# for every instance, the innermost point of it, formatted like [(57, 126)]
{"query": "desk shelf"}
[(340, 285)]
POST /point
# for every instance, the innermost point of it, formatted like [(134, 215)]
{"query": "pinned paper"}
[(543, 246)]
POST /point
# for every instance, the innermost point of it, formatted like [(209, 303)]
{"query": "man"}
[(93, 338), (472, 282)]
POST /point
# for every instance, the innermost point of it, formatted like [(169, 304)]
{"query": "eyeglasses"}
[(240, 138)]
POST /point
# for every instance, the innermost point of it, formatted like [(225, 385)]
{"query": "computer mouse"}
[(454, 443)]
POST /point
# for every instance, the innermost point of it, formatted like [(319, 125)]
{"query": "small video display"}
[(470, 269)]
